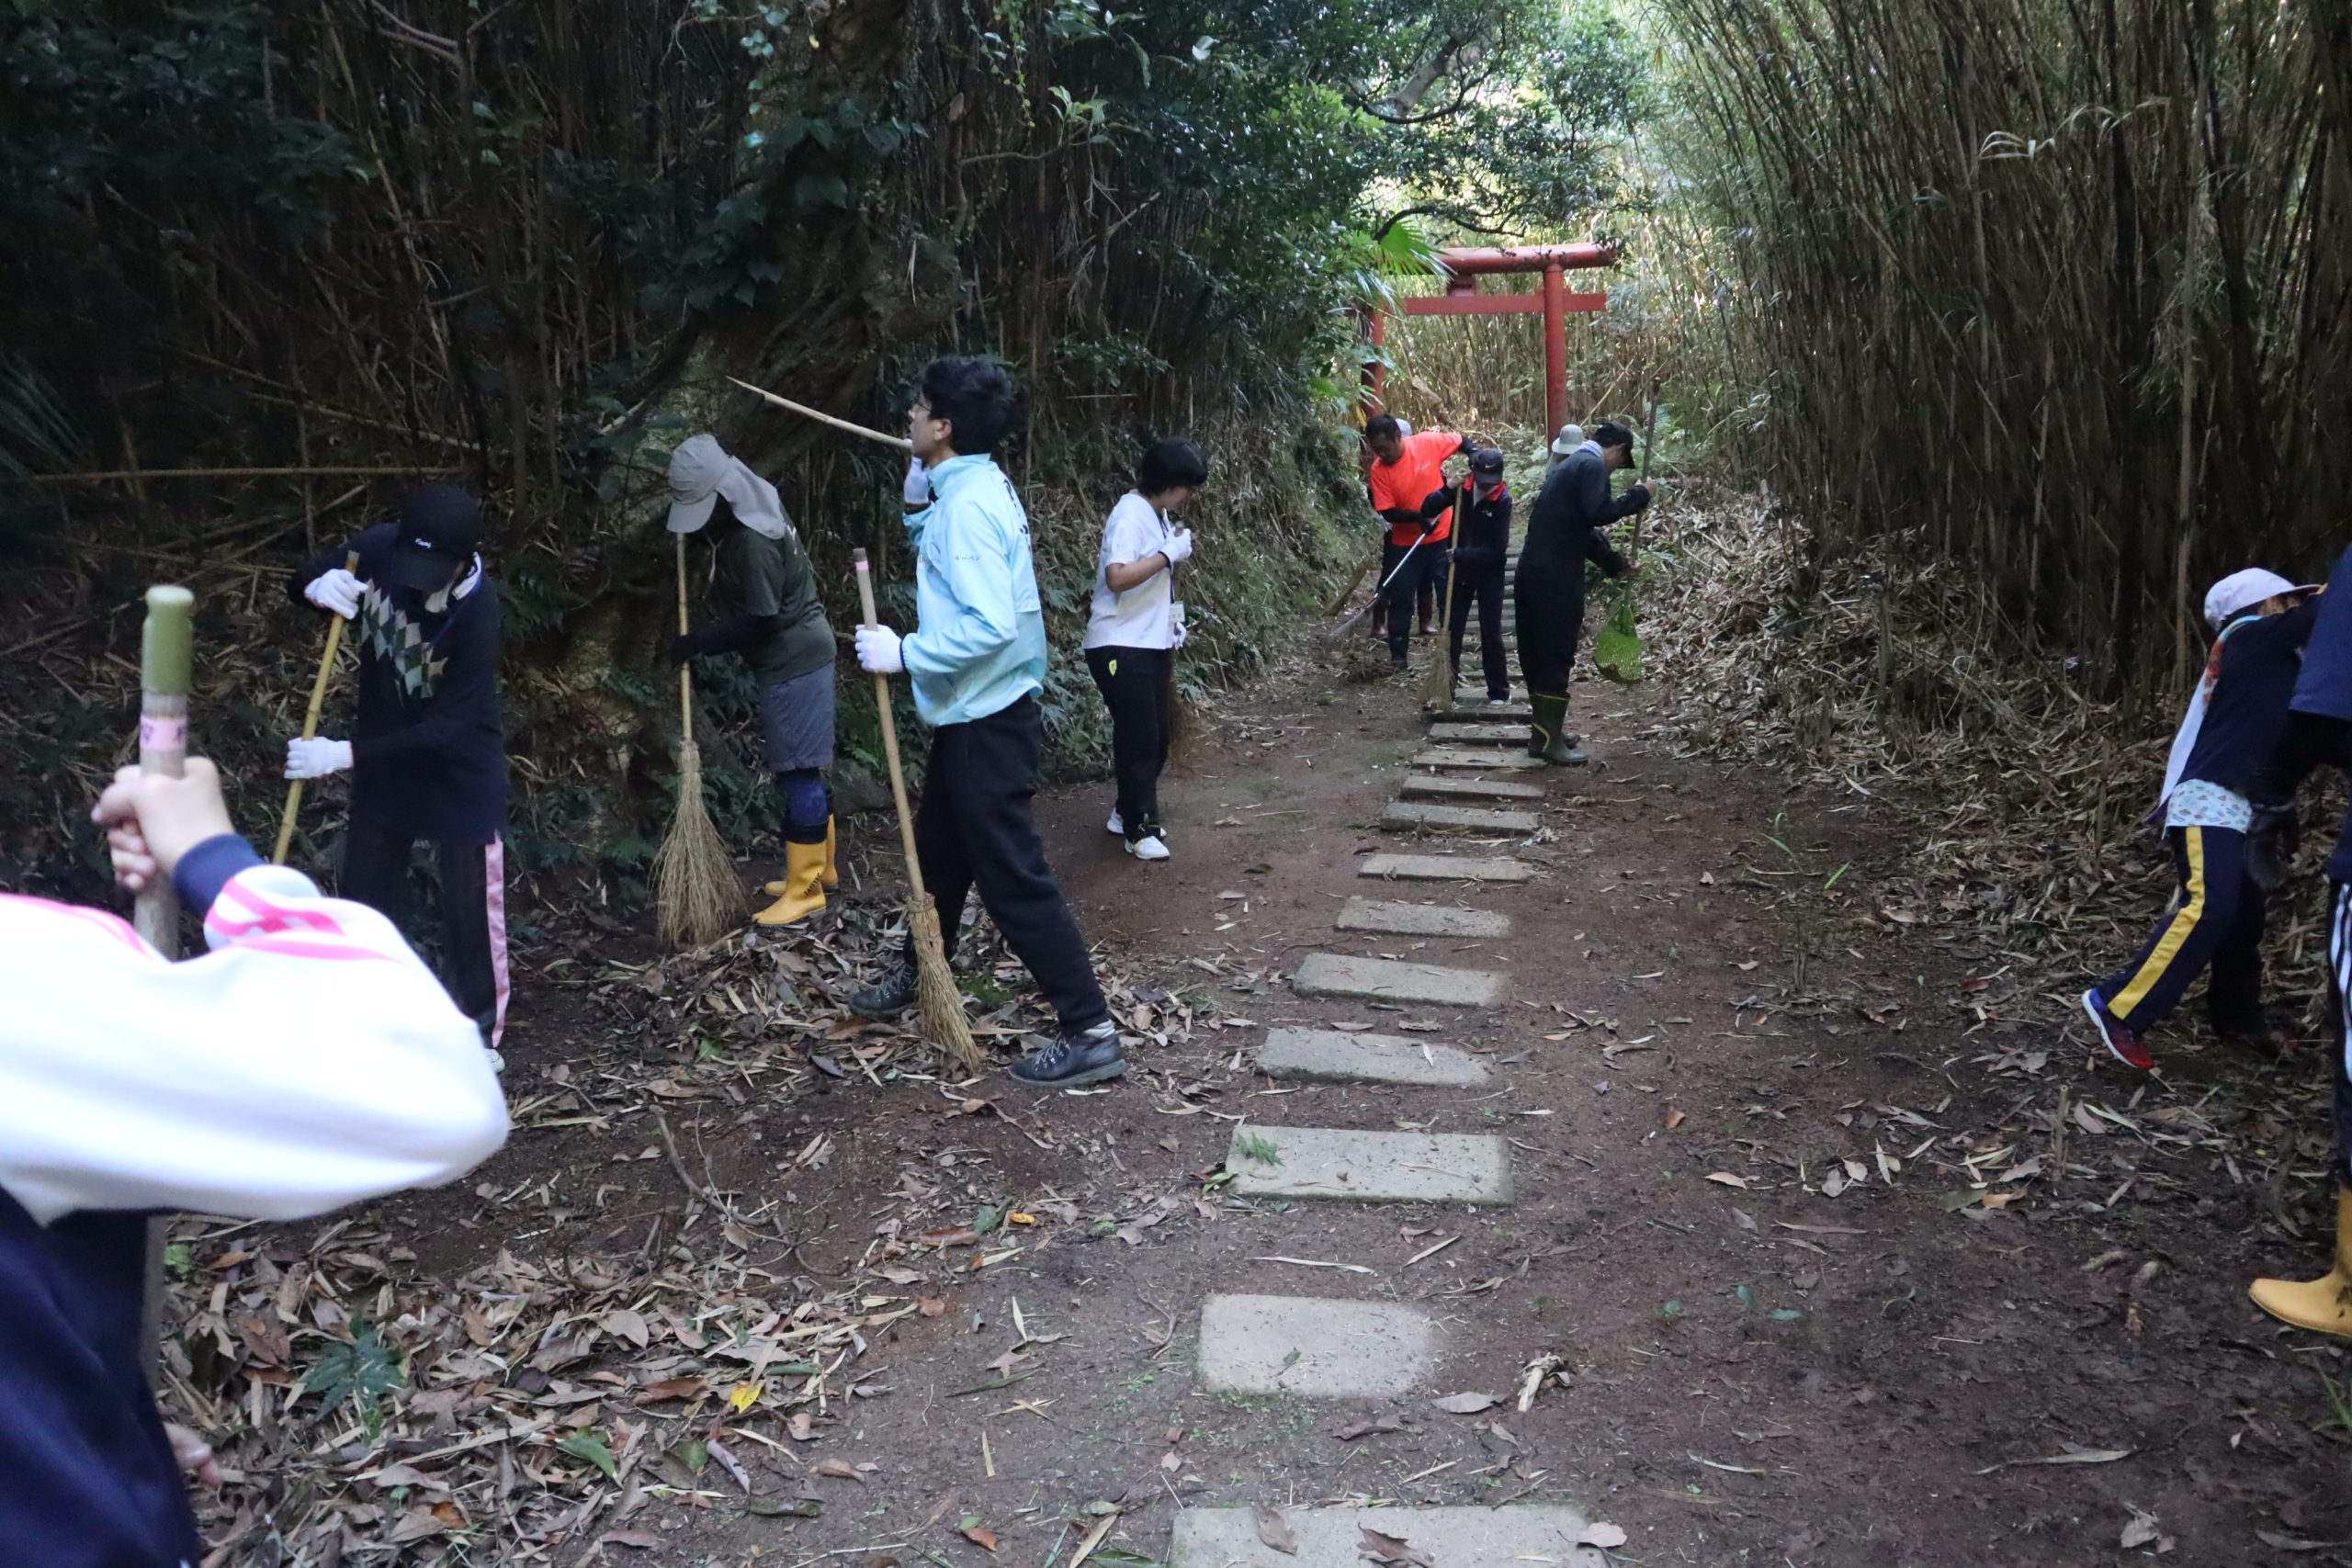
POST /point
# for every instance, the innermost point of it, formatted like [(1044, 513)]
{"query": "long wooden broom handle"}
[(889, 731), (311, 722), (685, 667)]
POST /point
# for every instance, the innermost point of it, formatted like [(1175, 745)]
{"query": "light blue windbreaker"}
[(978, 644)]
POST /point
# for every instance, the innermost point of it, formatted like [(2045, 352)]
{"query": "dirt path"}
[(1741, 1108), (1692, 1050)]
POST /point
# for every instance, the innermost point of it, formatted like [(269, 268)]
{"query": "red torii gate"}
[(1462, 297)]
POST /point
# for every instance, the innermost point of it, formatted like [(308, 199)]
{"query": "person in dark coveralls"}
[(2319, 730), (1482, 541), (1563, 532), (427, 755), (976, 658), (769, 613), (2260, 623), (305, 1060)]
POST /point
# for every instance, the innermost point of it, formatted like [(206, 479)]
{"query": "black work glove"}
[(2271, 840), (682, 647), (1640, 496)]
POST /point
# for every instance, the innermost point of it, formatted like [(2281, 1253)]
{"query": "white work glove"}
[(917, 485), (316, 758), (337, 591), (1179, 545), (877, 650)]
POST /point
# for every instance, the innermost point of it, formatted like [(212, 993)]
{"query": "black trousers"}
[(1422, 576), (1135, 688), (1482, 585), (975, 829), (2216, 921), (1547, 597), (473, 910)]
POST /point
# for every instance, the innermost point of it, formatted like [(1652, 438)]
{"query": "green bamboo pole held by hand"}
[(167, 653)]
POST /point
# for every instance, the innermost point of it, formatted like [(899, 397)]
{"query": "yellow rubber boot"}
[(832, 855), (802, 890), (2323, 1305)]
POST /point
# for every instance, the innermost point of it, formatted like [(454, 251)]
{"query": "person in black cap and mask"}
[(427, 755), (1482, 540)]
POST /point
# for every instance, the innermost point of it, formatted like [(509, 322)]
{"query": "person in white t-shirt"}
[(1137, 624)]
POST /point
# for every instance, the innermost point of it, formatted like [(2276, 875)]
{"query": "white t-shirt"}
[(1143, 616)]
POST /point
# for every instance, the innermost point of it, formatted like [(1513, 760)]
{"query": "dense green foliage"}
[(524, 244)]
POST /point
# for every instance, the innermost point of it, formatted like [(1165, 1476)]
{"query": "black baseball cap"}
[(1486, 460), (439, 529)]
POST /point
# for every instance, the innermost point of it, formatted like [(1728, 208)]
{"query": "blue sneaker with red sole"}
[(2121, 1043)]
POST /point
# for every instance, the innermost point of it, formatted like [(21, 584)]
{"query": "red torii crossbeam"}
[(1463, 269)]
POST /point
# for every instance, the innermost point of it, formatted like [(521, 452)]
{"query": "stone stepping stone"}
[(1315, 1347), (1484, 761), (1444, 868), (1327, 1055), (1447, 733), (1420, 919), (1444, 787), (1333, 1537), (1390, 980), (1470, 707), (1369, 1168), (1401, 814)]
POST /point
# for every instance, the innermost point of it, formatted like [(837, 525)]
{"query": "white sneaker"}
[(1496, 703), (1115, 825), (1147, 849), (497, 1060)]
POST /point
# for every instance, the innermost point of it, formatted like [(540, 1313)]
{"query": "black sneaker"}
[(887, 998), (1089, 1056)]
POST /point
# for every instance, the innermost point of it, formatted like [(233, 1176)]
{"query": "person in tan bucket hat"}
[(765, 595)]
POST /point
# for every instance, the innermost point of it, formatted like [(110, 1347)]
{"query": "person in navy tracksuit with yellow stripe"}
[(2217, 921)]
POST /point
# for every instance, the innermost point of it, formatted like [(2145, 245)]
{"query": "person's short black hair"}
[(973, 395), (1171, 463), (1380, 426), (1608, 432)]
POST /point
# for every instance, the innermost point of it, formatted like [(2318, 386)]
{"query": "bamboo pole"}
[(310, 721)]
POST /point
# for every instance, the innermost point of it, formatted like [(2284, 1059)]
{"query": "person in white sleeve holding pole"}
[(307, 1060)]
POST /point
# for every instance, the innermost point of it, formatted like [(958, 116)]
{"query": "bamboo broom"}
[(1437, 686), (943, 1024), (311, 722), (695, 889), (166, 657)]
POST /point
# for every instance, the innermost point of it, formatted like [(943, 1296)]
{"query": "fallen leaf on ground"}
[(980, 1536), (2139, 1531), (2074, 1455), (1392, 1550), (1728, 1178), (836, 1470), (642, 1540), (1600, 1535), (930, 1306), (1377, 1424), (1273, 1529), (1464, 1404), (1673, 1119)]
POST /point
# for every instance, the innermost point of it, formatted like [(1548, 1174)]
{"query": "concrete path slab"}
[(1473, 756), (1444, 868), (1387, 980), (1420, 919), (1327, 1055), (1316, 1348), (1470, 707), (1331, 1537), (1403, 815), (1454, 732), (1369, 1168), (1445, 786)]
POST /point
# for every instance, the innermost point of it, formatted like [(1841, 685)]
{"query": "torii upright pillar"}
[(1462, 297)]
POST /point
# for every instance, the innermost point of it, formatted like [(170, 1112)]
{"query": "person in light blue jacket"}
[(978, 660)]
